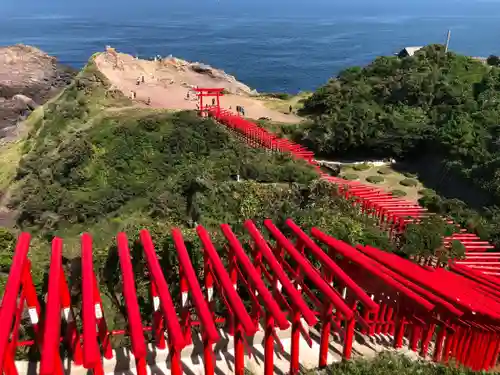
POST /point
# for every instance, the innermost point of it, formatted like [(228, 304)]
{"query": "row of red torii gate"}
[(271, 280)]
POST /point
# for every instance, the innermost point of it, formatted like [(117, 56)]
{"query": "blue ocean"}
[(272, 45)]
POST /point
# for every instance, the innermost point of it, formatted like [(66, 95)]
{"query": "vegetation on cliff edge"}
[(433, 109)]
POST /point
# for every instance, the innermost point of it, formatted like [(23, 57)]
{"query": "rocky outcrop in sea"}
[(28, 78)]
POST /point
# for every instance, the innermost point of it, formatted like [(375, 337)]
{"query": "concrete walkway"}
[(192, 358)]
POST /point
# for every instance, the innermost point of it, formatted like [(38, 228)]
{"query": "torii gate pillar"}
[(205, 109)]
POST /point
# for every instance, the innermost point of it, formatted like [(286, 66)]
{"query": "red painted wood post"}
[(10, 366), (463, 358), (325, 333), (470, 354), (326, 324), (239, 348), (209, 282), (91, 353), (218, 103), (491, 350), (9, 300), (296, 323), (72, 335), (104, 334), (50, 363), (294, 350), (32, 303), (399, 331), (438, 346), (447, 345), (205, 314), (132, 306), (158, 324), (269, 345), (208, 356), (386, 327), (185, 314), (460, 345), (456, 341), (415, 336), (381, 318), (426, 339), (496, 352), (257, 262), (349, 338)]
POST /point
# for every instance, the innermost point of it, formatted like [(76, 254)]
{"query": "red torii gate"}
[(375, 291), (209, 92)]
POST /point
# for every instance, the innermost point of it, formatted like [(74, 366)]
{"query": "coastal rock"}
[(217, 74), (28, 78), (25, 102)]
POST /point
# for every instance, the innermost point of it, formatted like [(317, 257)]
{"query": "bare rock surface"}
[(28, 78), (168, 83)]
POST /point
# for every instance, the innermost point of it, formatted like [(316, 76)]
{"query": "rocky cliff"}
[(28, 78)]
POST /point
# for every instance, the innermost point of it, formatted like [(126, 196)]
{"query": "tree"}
[(441, 105), (493, 60), (7, 243)]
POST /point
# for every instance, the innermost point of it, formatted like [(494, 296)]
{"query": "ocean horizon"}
[(273, 46)]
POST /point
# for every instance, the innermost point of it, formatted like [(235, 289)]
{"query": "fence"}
[(292, 281), (392, 213)]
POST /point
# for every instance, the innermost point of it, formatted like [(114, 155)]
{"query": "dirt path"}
[(168, 82)]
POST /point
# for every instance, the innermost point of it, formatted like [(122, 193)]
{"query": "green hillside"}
[(438, 113)]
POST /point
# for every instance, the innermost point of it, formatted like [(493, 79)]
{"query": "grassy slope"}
[(282, 102), (92, 162), (391, 180), (389, 363)]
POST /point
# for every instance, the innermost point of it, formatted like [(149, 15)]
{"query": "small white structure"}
[(408, 51)]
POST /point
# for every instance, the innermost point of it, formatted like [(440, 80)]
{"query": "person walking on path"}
[(290, 109)]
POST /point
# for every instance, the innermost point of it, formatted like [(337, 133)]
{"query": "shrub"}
[(427, 192), (350, 176), (7, 242), (389, 363), (398, 193), (361, 167), (375, 179), (385, 170), (410, 175), (493, 60), (277, 95), (408, 182)]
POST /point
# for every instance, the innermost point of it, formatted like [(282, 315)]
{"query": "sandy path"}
[(167, 84)]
